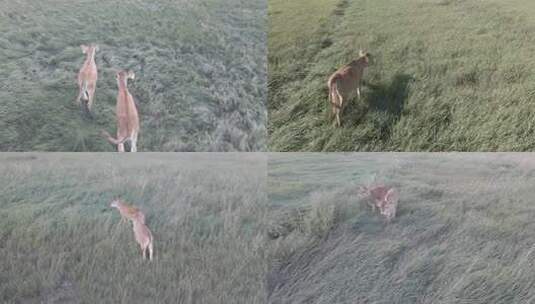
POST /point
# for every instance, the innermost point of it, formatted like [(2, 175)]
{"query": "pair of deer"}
[(126, 111), (141, 231), (382, 197), (345, 82)]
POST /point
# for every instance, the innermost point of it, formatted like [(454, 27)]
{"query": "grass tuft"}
[(445, 75), (200, 72), (62, 243), (463, 230)]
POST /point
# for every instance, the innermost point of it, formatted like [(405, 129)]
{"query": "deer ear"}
[(131, 75), (84, 48), (362, 53)]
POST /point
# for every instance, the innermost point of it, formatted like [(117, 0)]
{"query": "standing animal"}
[(375, 194), (128, 212), (345, 82), (127, 116), (384, 198), (87, 78), (390, 204), (143, 237)]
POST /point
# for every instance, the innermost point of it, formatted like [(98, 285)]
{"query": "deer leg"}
[(91, 93), (120, 147), (333, 112), (79, 98), (150, 251), (358, 91), (339, 108), (133, 143), (335, 115), (333, 102), (338, 112)]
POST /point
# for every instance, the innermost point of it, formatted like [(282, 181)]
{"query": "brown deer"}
[(390, 204), (128, 212), (345, 82), (143, 237), (382, 197), (87, 78), (127, 116)]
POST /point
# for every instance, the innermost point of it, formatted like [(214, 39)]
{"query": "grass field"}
[(60, 242), (463, 234), (446, 76), (200, 73)]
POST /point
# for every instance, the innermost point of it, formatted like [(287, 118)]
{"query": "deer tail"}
[(111, 139)]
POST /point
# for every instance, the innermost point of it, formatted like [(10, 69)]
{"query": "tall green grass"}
[(200, 73), (446, 75), (60, 241), (463, 232)]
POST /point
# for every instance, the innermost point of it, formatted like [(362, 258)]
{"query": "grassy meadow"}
[(200, 73), (446, 75), (463, 232), (60, 242)]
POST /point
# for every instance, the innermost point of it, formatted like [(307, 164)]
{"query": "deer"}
[(87, 78), (143, 237), (128, 212), (345, 82), (390, 204), (127, 116), (382, 197)]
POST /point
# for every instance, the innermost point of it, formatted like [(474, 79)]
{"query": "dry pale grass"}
[(463, 234), (62, 243), (200, 73)]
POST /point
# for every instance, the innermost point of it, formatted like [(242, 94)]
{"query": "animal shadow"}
[(86, 114), (390, 97)]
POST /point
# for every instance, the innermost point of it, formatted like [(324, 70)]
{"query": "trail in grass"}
[(298, 32), (200, 73), (462, 232), (446, 75)]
